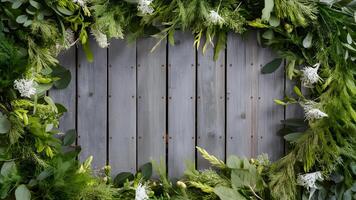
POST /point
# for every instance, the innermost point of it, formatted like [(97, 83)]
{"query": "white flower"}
[(144, 6), (100, 38), (215, 18), (308, 181), (141, 193), (26, 87), (80, 2), (315, 114), (310, 75)]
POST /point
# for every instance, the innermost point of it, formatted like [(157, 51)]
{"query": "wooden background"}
[(130, 105)]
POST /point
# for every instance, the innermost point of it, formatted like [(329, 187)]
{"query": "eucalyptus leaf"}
[(307, 42), (267, 10), (349, 38), (122, 177), (21, 19), (293, 137), (69, 137), (274, 21), (146, 171), (35, 4), (5, 125), (272, 66), (22, 193)]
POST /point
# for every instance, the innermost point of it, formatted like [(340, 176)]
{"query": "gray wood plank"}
[(181, 103), (92, 105), (67, 96), (211, 105), (122, 106), (271, 86), (239, 93), (151, 92)]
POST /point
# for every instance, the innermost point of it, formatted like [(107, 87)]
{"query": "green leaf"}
[(349, 47), (69, 137), (88, 52), (64, 11), (267, 10), (297, 91), (146, 171), (307, 42), (234, 162), (226, 193), (349, 38), (293, 137), (35, 4), (268, 35), (51, 103), (64, 76), (8, 168), (274, 21), (21, 19), (16, 4), (22, 193), (271, 66), (121, 178), (5, 125), (279, 102), (353, 167)]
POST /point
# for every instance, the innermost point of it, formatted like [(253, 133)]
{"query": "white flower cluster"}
[(144, 6), (26, 87), (82, 3), (308, 180), (215, 18), (100, 38), (311, 112), (310, 75), (141, 193)]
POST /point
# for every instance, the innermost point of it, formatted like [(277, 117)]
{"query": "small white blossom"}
[(144, 6), (141, 193), (215, 18), (311, 112), (309, 181), (310, 75), (26, 87), (100, 38), (82, 3)]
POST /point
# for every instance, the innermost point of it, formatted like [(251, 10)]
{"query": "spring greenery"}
[(39, 162)]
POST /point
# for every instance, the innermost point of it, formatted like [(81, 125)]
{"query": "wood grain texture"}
[(211, 105), (239, 103), (122, 106), (92, 105), (181, 103), (67, 96), (151, 107), (271, 86)]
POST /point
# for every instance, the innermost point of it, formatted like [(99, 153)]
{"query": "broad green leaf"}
[(226, 193), (267, 10), (69, 137), (44, 174), (307, 42), (64, 76), (8, 168), (271, 66), (268, 35), (353, 167), (234, 162), (274, 21), (146, 171), (21, 19), (17, 4), (5, 124), (22, 193), (121, 178), (35, 4), (293, 137), (64, 10)]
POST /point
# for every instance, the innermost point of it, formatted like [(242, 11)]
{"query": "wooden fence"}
[(130, 105)]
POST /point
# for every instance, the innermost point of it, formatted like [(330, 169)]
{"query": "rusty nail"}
[(251, 97), (251, 64), (230, 65), (259, 97), (133, 96)]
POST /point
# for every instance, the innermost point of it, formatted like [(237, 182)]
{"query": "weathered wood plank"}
[(151, 92), (270, 86), (239, 103), (67, 96), (122, 106), (211, 105), (181, 103), (92, 105)]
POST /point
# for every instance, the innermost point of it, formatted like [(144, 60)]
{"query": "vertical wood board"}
[(67, 96), (151, 107), (211, 105), (122, 106), (181, 103), (92, 105), (239, 104)]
